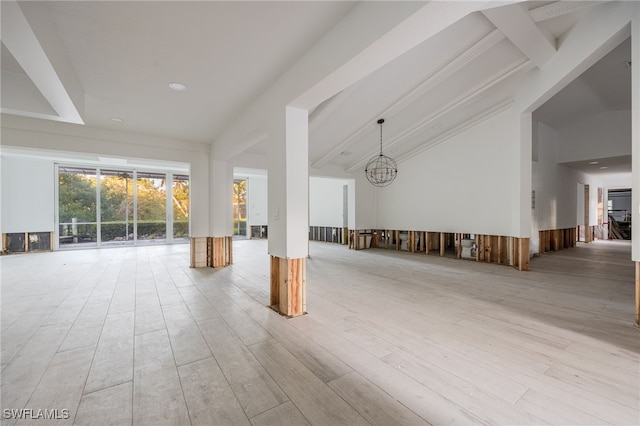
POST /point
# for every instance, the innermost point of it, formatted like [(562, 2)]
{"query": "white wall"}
[(559, 190), (366, 203), (351, 219), (257, 202), (28, 198), (69, 140), (326, 201), (603, 28), (461, 185), (603, 135), (556, 185)]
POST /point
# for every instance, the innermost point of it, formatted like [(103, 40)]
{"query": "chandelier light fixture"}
[(381, 170)]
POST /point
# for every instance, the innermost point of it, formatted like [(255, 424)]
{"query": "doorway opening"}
[(619, 211)]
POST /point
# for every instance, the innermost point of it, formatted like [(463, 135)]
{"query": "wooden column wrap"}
[(220, 252), (523, 254), (274, 300), (288, 286), (215, 252), (199, 255)]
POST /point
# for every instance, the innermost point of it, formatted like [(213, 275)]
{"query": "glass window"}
[(180, 202), (116, 207), (239, 207), (77, 215), (132, 209), (152, 207)]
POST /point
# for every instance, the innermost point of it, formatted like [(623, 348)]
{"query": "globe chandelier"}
[(381, 170)]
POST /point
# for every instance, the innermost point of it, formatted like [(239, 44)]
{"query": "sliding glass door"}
[(180, 207), (106, 207), (77, 223), (151, 207), (116, 207)]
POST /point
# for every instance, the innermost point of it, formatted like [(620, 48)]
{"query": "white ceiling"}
[(124, 54), (117, 58), (606, 86)]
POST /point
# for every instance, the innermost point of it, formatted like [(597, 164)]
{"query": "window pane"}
[(152, 207), (120, 220), (239, 207), (116, 206), (180, 203), (77, 206)]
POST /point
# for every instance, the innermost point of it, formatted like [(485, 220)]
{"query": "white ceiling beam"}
[(459, 62), (475, 51), (559, 8), (325, 109), (23, 44), (428, 21), (516, 24), (518, 66)]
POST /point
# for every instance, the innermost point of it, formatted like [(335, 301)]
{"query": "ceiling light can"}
[(177, 86)]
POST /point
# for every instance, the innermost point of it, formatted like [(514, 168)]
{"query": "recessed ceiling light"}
[(603, 167), (593, 162), (117, 120), (177, 86)]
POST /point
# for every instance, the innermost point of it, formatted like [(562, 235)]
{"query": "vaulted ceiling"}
[(109, 65)]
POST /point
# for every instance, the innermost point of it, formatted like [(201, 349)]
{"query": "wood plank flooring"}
[(133, 336)]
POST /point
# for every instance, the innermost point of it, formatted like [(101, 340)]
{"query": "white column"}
[(288, 184), (168, 187), (289, 209), (199, 212), (635, 133), (523, 226), (220, 214), (221, 198), (635, 153), (199, 198)]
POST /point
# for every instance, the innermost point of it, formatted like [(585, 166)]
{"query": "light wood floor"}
[(133, 336)]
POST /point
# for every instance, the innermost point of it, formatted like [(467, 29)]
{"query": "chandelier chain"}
[(380, 138)]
